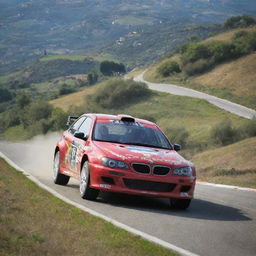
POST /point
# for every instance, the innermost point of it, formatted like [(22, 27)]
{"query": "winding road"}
[(182, 91), (220, 221)]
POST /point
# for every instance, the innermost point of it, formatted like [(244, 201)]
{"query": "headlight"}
[(111, 163), (184, 171)]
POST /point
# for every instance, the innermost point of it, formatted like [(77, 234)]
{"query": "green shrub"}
[(194, 52), (108, 68), (117, 93), (198, 66), (239, 21), (224, 133), (66, 89), (168, 68), (221, 51), (248, 129), (5, 95)]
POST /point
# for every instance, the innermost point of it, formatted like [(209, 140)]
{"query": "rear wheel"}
[(58, 177), (85, 191), (181, 204)]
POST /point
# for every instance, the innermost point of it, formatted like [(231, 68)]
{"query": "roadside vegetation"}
[(222, 65), (195, 125), (35, 222), (232, 165)]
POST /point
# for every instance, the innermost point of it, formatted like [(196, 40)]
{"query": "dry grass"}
[(234, 80), (238, 76), (234, 164), (74, 99), (33, 222)]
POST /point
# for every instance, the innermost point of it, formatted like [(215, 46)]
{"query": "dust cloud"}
[(35, 155)]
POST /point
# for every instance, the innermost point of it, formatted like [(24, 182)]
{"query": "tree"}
[(92, 78), (239, 21), (108, 68), (22, 100), (168, 68), (5, 95)]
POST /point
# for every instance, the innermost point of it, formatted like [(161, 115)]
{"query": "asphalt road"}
[(182, 91), (220, 221)]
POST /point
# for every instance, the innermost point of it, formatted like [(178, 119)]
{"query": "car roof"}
[(118, 117)]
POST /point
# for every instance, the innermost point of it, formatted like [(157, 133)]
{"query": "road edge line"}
[(90, 211), (226, 186)]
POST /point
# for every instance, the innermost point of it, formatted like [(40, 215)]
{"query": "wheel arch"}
[(84, 159), (56, 150)]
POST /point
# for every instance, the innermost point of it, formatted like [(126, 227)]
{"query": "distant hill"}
[(28, 27), (50, 67)]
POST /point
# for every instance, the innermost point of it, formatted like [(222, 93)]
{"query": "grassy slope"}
[(74, 99), (36, 223), (233, 80), (234, 164), (196, 115)]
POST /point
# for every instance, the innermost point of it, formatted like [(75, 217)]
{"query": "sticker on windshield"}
[(142, 150), (126, 123)]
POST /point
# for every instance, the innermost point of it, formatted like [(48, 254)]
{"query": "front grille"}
[(142, 168), (185, 188), (149, 185), (161, 170)]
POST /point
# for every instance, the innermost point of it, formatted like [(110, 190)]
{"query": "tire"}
[(181, 204), (58, 177), (85, 191)]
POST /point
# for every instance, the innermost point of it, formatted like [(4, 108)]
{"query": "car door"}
[(80, 145), (71, 151)]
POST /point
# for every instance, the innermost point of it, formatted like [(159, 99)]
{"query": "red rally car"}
[(123, 154)]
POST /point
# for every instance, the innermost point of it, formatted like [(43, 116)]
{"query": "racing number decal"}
[(73, 155)]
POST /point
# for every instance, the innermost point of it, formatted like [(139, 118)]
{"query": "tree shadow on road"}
[(199, 209)]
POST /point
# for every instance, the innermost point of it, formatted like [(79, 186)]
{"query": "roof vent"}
[(127, 118)]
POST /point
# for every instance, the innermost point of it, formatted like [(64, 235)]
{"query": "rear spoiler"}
[(71, 119)]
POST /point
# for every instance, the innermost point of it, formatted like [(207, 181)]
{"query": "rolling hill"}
[(28, 27), (233, 80)]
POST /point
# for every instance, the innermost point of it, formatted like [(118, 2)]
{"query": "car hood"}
[(140, 154)]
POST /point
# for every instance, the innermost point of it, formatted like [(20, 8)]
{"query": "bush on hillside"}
[(5, 95), (117, 93), (197, 57), (66, 89), (224, 133), (194, 52), (168, 68), (239, 21), (197, 67), (109, 68)]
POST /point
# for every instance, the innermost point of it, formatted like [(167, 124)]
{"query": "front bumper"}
[(131, 182)]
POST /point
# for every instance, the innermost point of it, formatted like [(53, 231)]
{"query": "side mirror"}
[(80, 135), (177, 147)]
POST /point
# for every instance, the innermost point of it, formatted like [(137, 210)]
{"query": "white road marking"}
[(86, 209), (226, 186)]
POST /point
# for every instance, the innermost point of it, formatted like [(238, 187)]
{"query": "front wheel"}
[(181, 204), (85, 191), (58, 177)]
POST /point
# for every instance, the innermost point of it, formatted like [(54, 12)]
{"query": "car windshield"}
[(131, 133)]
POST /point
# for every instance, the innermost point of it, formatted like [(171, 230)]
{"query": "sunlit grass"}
[(33, 222)]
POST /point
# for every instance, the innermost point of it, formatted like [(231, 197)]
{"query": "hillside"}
[(233, 164), (233, 80), (28, 27), (195, 117)]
